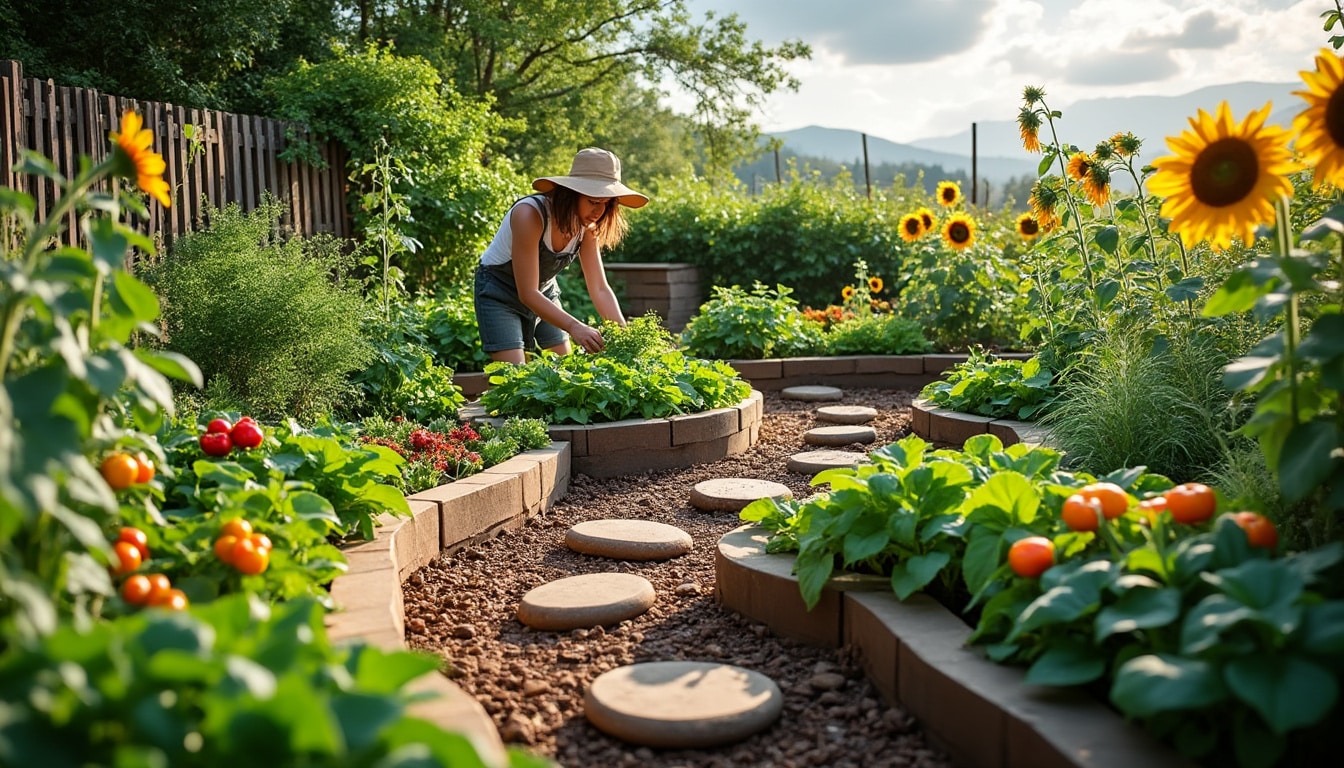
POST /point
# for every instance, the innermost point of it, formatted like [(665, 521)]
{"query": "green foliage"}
[(736, 324), (442, 451), (574, 295), (1136, 400), (404, 378), (1246, 482), (267, 313), (963, 298), (641, 338), (876, 334), (987, 386), (585, 389), (364, 97), (450, 328)]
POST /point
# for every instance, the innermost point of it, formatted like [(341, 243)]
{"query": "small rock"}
[(831, 698), (827, 681), (416, 625), (464, 631), (579, 634), (713, 650), (518, 729), (535, 688), (823, 666), (688, 588)]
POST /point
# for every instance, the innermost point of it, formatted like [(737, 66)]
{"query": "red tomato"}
[(128, 558), (137, 537), (247, 435), (216, 444), (219, 426), (1191, 503), (159, 586), (1260, 532), (145, 468), (136, 589), (1032, 556)]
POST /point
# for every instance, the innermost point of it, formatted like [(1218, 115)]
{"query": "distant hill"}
[(1084, 123)]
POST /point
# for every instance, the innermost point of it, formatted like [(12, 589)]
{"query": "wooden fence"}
[(229, 159)]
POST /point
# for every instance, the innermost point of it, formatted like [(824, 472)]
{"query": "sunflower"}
[(847, 292), (1044, 199), (1126, 144), (949, 193), (1097, 184), (1224, 177), (1028, 227), (1029, 126), (926, 216), (912, 227), (1079, 166), (1320, 126), (959, 231), (135, 158), (1032, 94), (874, 285)]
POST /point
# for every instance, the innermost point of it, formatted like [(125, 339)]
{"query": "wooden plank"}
[(37, 138), (67, 154), (235, 167)]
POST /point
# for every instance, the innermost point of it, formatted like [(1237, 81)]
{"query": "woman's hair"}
[(611, 228)]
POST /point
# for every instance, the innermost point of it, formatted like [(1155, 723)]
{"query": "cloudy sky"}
[(911, 69)]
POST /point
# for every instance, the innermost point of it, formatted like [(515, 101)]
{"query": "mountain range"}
[(998, 146)]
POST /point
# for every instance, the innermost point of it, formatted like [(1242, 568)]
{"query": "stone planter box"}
[(947, 427), (444, 519), (635, 446), (983, 714), (671, 290)]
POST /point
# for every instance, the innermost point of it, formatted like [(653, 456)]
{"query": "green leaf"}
[(981, 559), (914, 574), (1068, 663), (1204, 625), (1107, 238), (107, 244), (1009, 492), (1138, 608), (171, 364), (1289, 692), (1186, 290), (311, 506), (1308, 458), (1107, 290), (1238, 293), (1249, 370), (1325, 341), (131, 297), (1147, 685), (814, 570), (1323, 629)]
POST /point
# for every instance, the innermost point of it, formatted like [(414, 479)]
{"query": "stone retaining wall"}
[(444, 519), (671, 290), (915, 652), (947, 427)]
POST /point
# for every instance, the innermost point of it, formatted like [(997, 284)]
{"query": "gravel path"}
[(462, 608)]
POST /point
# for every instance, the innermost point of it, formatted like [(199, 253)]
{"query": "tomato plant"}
[(135, 590), (127, 558), (1080, 513), (137, 538), (1111, 497)]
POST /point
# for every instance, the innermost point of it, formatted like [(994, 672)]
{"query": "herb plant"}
[(761, 323), (1003, 389), (876, 334)]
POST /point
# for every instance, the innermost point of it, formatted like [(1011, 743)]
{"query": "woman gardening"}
[(517, 297)]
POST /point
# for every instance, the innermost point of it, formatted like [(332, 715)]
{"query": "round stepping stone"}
[(731, 494), (812, 462), (812, 394), (846, 414), (839, 435), (586, 601), (682, 704), (628, 539)]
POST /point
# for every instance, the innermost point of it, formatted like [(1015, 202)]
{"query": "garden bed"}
[(915, 652), (948, 427)]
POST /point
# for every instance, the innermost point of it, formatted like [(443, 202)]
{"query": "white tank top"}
[(500, 250)]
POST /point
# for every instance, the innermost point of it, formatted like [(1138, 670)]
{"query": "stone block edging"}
[(983, 714), (942, 425), (445, 518)]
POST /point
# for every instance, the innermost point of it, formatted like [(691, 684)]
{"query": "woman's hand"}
[(587, 337)]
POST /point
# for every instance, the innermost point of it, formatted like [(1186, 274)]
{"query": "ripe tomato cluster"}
[(1081, 510), (238, 545), (143, 589), (221, 437), (121, 470)]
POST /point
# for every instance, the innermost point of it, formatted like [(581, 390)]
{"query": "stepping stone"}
[(846, 414), (839, 435), (812, 462), (682, 704), (586, 601), (812, 394), (731, 494), (628, 539)]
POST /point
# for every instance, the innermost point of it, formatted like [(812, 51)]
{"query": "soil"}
[(461, 606)]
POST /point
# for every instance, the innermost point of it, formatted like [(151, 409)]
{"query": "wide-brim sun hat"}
[(594, 173)]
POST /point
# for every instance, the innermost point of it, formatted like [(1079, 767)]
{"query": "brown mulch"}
[(531, 682)]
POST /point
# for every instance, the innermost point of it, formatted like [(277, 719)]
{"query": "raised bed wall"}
[(671, 290)]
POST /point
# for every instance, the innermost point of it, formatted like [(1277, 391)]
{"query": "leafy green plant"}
[(450, 329), (584, 389), (985, 385), (737, 324), (876, 335), (268, 313), (963, 297)]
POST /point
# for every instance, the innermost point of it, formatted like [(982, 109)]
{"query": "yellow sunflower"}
[(1028, 227), (847, 292), (1224, 177), (926, 216), (949, 193), (912, 227), (1044, 198), (874, 285), (1320, 126), (1080, 164), (959, 231), (1029, 126), (1125, 144), (1097, 185), (135, 158)]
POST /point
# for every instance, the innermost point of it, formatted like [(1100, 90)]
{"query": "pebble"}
[(535, 688), (827, 681), (688, 588), (518, 729), (464, 631)]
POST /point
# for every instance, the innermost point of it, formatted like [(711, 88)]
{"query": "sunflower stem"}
[(1284, 245), (1068, 198)]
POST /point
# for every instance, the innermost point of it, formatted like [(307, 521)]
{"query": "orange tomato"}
[(1080, 512), (144, 469), (119, 470), (1191, 503), (173, 600), (1114, 501), (137, 537), (261, 541), (159, 586), (1149, 509), (224, 548), (248, 559), (128, 558), (1260, 532), (1032, 556), (136, 589), (237, 527)]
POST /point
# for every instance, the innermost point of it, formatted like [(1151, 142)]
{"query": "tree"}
[(566, 67)]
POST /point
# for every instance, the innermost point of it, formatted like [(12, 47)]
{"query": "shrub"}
[(1003, 389), (449, 323), (876, 335), (267, 313), (964, 298), (751, 326)]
